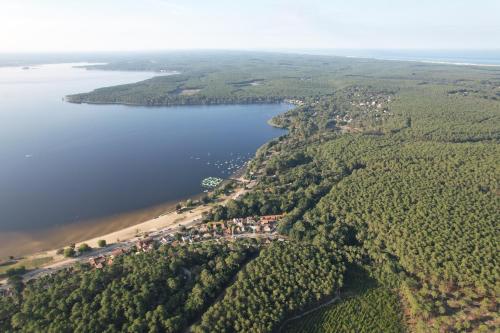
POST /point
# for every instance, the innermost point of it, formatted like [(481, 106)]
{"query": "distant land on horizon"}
[(451, 56)]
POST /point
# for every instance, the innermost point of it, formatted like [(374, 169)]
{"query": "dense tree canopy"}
[(283, 279), (392, 165), (414, 188), (158, 291)]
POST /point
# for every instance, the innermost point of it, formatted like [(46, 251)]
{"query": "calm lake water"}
[(62, 162)]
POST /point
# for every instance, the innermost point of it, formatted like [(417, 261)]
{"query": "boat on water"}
[(211, 182)]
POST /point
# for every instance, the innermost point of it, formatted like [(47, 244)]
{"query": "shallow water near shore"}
[(68, 171)]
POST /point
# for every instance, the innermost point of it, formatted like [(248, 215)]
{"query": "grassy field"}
[(27, 263)]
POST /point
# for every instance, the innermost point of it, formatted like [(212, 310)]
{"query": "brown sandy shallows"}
[(119, 228), (22, 243)]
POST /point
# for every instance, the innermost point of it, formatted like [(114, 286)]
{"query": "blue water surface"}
[(63, 162)]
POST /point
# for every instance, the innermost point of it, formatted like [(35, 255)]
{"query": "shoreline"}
[(167, 222), (44, 242), (34, 243), (271, 123), (121, 230), (68, 99), (426, 61)]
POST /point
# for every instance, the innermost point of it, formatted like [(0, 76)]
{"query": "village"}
[(262, 227), (367, 102), (361, 101), (258, 227), (194, 230)]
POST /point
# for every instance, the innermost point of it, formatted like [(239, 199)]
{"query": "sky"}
[(137, 25)]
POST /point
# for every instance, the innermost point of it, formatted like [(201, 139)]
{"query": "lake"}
[(68, 164)]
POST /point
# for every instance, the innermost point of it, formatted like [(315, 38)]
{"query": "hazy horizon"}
[(48, 26), (263, 50)]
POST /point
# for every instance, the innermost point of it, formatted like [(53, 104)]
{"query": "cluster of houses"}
[(373, 103), (261, 225), (343, 118), (145, 244), (102, 260), (366, 102), (141, 245), (369, 101), (229, 228), (297, 102)]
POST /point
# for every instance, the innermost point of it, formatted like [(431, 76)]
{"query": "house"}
[(270, 218), (227, 231), (216, 225), (145, 245), (250, 220), (238, 230), (115, 254), (266, 222), (118, 252), (98, 262), (166, 239), (256, 228), (240, 222)]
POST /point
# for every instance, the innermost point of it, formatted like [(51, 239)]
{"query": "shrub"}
[(15, 271), (84, 247), (69, 252)]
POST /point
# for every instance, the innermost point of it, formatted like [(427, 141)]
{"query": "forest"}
[(416, 192), (159, 291), (390, 166), (216, 77), (364, 307), (284, 279)]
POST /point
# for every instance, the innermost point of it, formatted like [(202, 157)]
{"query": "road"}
[(333, 300), (187, 222)]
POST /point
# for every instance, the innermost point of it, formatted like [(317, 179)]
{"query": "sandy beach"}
[(164, 216), (32, 241)]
